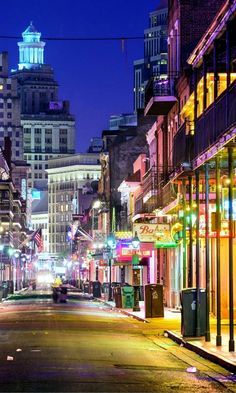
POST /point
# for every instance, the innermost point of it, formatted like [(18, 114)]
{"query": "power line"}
[(79, 38)]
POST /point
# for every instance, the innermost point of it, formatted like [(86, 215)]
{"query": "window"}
[(48, 131), (37, 130), (1, 105), (9, 105)]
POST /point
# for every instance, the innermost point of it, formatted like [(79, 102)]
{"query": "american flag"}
[(38, 239)]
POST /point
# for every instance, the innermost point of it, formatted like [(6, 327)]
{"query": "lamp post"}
[(136, 273), (111, 242), (1, 252)]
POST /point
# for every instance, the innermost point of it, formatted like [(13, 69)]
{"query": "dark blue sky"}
[(96, 77)]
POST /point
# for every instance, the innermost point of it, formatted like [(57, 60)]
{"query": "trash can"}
[(86, 287), (1, 293), (141, 293), (4, 289), (10, 286), (189, 311), (96, 289), (153, 300), (127, 297), (105, 290), (117, 296)]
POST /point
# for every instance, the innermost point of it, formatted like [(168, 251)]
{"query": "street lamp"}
[(136, 273), (1, 252), (111, 242)]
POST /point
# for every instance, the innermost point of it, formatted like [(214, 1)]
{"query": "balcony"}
[(183, 145), (149, 185), (6, 209), (215, 122), (159, 97), (169, 194)]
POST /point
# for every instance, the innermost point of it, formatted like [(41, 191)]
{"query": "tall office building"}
[(154, 62), (10, 121), (48, 126), (72, 185)]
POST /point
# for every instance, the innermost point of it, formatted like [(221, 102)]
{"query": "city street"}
[(84, 346)]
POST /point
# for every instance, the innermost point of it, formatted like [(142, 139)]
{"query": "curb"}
[(123, 311), (217, 359), (131, 315)]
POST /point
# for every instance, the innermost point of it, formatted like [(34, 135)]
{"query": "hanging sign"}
[(159, 234)]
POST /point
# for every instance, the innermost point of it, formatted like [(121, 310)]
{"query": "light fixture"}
[(135, 241), (111, 241), (96, 204)]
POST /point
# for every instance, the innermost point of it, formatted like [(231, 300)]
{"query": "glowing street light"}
[(111, 242)]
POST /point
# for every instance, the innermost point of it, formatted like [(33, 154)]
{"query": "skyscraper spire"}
[(31, 49)]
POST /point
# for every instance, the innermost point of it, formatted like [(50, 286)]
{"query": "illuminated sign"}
[(160, 234), (124, 235), (224, 224), (55, 105), (150, 232), (125, 251), (23, 188)]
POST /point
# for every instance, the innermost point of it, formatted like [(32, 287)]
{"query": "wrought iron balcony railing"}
[(215, 121), (183, 144), (159, 96)]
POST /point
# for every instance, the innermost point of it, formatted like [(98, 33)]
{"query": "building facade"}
[(10, 111), (69, 180), (48, 126), (154, 62)]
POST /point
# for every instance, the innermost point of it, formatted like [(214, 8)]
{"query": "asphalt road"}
[(83, 346)]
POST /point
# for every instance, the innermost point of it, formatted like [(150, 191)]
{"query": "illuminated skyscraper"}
[(48, 126), (154, 62), (31, 49)]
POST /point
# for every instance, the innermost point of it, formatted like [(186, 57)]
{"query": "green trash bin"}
[(189, 312), (1, 293), (127, 297)]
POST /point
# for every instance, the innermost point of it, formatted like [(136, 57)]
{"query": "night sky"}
[(96, 77)]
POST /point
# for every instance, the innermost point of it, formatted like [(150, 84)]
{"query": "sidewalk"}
[(171, 325)]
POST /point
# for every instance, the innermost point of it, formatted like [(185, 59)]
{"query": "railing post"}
[(190, 259), (218, 279), (198, 332), (184, 233), (207, 259), (231, 256)]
